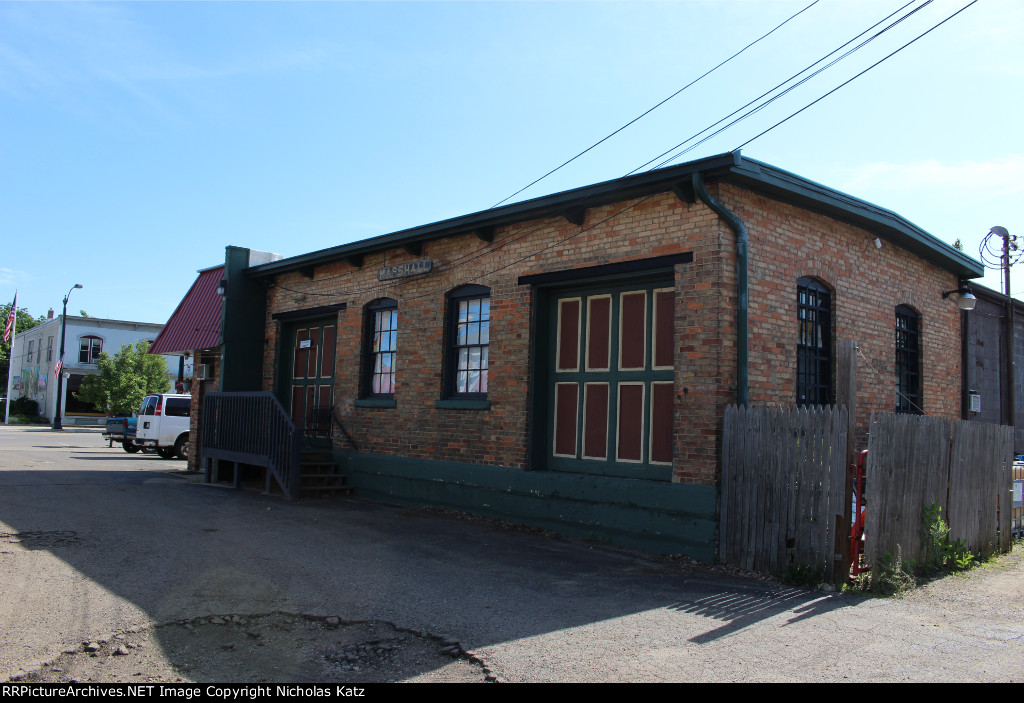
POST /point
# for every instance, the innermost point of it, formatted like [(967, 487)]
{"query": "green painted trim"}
[(243, 316), (731, 167), (668, 518), (455, 404), (376, 403), (617, 190)]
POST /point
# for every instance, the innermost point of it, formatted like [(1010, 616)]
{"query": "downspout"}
[(742, 276)]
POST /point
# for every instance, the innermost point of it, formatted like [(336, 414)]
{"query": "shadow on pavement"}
[(179, 551)]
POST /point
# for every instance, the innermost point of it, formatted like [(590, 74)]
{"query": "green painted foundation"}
[(655, 516)]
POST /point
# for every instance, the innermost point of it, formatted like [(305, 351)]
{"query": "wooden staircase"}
[(319, 475)]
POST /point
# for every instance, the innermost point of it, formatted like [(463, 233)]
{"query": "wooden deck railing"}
[(253, 428)]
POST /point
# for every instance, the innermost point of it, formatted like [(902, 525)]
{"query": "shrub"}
[(24, 406)]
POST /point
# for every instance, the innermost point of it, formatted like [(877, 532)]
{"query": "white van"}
[(164, 424)]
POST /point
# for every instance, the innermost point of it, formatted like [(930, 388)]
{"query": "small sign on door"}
[(305, 344)]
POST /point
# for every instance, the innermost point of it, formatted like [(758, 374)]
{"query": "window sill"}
[(376, 403), (456, 404)]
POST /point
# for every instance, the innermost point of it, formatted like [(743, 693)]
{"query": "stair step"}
[(333, 489)]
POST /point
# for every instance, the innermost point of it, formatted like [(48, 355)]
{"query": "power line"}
[(785, 92), (847, 82), (459, 262), (652, 109), (496, 246)]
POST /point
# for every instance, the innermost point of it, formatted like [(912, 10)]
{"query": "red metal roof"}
[(195, 324)]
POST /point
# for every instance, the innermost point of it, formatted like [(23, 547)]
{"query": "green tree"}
[(25, 322), (125, 379)]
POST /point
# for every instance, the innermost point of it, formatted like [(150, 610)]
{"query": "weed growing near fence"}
[(940, 554), (890, 577), (894, 576)]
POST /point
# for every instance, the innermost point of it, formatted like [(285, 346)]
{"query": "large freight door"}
[(610, 371)]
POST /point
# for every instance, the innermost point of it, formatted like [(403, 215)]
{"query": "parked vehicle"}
[(163, 424), (122, 429)]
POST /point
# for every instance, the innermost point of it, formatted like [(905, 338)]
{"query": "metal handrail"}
[(253, 428), (337, 421)]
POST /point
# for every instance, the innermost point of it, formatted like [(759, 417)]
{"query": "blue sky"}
[(138, 139)]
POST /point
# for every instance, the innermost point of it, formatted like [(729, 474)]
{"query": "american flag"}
[(10, 318), (57, 368)]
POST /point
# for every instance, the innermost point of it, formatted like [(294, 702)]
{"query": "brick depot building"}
[(566, 361)]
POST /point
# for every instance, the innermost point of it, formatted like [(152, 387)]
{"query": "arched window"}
[(469, 338), (814, 343), (90, 349), (908, 360), (381, 349)]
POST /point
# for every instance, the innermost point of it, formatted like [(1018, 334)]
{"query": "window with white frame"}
[(90, 349), (381, 349), (469, 315)]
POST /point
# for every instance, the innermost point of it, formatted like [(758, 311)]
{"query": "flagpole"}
[(10, 357)]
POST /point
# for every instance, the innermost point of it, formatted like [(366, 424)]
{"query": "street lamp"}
[(60, 361)]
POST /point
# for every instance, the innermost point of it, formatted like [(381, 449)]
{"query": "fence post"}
[(846, 394)]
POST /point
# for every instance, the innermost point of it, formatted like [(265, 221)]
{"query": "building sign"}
[(410, 268)]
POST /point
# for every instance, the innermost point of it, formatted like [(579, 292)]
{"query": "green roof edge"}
[(730, 167)]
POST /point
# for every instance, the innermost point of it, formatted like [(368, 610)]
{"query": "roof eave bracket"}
[(684, 191), (575, 215)]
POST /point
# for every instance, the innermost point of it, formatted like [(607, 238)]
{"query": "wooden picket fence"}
[(783, 487), (785, 495), (964, 467)]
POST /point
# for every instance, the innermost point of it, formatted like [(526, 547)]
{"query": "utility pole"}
[(1006, 260)]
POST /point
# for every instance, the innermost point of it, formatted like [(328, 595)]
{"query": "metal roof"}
[(195, 323), (730, 167)]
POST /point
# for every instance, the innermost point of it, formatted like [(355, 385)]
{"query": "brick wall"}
[(867, 284), (786, 242), (199, 391)]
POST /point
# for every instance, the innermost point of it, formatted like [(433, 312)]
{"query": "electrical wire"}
[(497, 246), (780, 85), (919, 409), (847, 82), (652, 109), (991, 255)]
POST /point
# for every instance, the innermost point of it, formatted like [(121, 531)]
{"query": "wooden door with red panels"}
[(312, 375), (611, 372)]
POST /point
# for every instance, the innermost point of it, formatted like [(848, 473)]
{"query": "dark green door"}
[(310, 372), (610, 371)]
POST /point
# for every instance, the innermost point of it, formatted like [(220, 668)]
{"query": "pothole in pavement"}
[(266, 648)]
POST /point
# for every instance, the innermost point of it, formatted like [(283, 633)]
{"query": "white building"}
[(34, 353)]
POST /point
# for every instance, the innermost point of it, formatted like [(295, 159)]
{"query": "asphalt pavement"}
[(94, 540)]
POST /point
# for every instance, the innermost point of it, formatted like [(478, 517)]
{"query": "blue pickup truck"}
[(122, 429)]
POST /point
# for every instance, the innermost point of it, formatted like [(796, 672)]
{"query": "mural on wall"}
[(30, 383)]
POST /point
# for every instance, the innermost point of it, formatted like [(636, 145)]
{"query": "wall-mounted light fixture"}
[(965, 299), (878, 243), (222, 287)]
